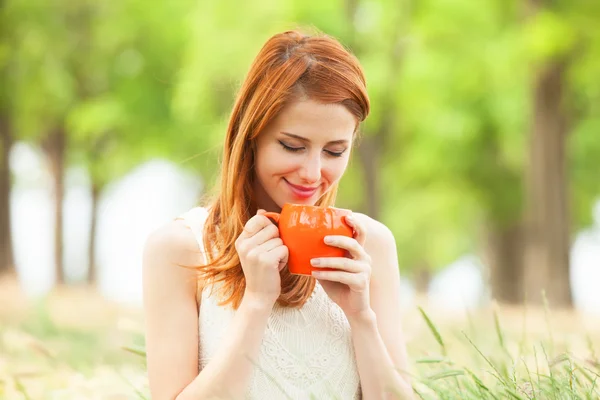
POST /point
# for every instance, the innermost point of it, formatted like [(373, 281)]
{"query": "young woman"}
[(225, 318)]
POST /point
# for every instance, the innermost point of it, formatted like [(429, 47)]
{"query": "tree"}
[(7, 264), (560, 37)]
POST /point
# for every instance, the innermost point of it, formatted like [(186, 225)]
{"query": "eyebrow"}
[(341, 141)]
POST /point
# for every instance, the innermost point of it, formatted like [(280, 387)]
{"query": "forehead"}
[(314, 120)]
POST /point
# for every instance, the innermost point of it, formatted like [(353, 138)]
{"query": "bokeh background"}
[(482, 154)]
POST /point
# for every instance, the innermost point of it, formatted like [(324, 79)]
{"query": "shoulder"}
[(377, 233), (170, 308), (170, 253), (174, 242), (380, 245)]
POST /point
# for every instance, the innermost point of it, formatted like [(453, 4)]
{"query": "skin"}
[(308, 145)]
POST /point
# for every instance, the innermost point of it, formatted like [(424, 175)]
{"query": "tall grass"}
[(482, 357), (534, 371)]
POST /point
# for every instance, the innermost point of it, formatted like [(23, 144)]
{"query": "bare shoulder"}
[(377, 232), (171, 308), (380, 244), (174, 242), (170, 253)]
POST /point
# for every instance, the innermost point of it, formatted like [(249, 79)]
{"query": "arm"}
[(227, 376), (172, 325), (377, 334), (378, 372), (366, 286)]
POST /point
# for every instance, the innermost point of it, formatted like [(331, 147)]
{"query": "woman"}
[(235, 323)]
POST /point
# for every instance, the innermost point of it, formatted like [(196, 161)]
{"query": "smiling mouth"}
[(302, 192)]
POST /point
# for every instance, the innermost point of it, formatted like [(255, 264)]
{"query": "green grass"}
[(490, 354), (530, 371), (68, 351)]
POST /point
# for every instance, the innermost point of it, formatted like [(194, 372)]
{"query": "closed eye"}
[(289, 148), (335, 153), (297, 149)]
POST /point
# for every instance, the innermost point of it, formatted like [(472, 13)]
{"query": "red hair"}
[(290, 66)]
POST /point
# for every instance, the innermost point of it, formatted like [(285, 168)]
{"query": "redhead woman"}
[(224, 317)]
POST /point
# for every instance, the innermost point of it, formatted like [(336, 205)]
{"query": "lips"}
[(302, 192)]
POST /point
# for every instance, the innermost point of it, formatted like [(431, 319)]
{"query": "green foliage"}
[(449, 80)]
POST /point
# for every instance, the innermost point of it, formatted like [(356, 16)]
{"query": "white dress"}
[(305, 353)]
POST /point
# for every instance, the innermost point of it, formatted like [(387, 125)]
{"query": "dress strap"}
[(195, 219)]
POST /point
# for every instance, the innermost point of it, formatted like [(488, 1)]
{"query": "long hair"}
[(290, 66)]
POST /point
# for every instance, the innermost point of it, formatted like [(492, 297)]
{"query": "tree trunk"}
[(93, 272), (504, 256), (372, 146), (548, 231), (7, 264), (369, 158), (422, 277), (54, 145)]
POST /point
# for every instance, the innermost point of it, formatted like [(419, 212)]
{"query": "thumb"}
[(260, 211)]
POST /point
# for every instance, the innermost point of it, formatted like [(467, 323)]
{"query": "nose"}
[(311, 169)]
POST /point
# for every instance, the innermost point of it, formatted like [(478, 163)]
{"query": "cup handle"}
[(273, 216)]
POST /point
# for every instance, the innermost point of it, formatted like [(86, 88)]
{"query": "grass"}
[(75, 345), (69, 346), (491, 362)]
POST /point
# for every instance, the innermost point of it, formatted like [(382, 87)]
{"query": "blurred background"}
[(482, 152)]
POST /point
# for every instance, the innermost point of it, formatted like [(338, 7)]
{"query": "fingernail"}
[(315, 261), (350, 218), (316, 274), (328, 239)]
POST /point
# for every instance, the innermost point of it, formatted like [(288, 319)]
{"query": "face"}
[(302, 153)]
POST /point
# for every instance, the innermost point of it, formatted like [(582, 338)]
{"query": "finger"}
[(360, 233), (282, 254), (265, 234), (338, 263), (269, 245), (278, 253), (343, 242), (354, 281), (255, 225)]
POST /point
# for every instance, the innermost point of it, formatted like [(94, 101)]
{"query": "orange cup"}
[(303, 228)]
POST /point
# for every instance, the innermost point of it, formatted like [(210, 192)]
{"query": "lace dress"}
[(305, 353)]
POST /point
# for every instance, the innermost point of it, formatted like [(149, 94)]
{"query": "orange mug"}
[(303, 229)]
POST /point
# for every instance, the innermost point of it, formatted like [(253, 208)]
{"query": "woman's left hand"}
[(348, 285)]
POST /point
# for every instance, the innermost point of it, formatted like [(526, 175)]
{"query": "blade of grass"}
[(548, 323), (135, 389), (445, 374), (480, 383), (433, 361), (529, 377), (136, 351), (513, 394), (434, 331), (499, 330), (552, 379), (499, 375), (21, 388)]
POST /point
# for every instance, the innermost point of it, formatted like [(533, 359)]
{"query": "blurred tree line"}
[(483, 137)]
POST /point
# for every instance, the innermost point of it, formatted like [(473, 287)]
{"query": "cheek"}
[(334, 170), (275, 163)]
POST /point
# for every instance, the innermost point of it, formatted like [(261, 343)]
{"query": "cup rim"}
[(295, 205)]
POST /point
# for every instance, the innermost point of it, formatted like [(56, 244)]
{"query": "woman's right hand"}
[(262, 255)]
